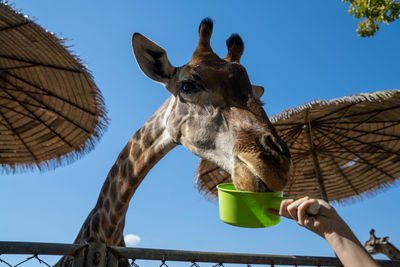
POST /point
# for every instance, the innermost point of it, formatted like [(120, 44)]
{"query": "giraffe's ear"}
[(257, 90), (152, 59)]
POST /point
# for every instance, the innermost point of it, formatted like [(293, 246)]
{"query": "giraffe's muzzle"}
[(261, 164)]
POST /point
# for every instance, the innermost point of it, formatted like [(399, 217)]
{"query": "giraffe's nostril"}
[(284, 148), (269, 142)]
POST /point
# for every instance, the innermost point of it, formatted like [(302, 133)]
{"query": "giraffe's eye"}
[(189, 87)]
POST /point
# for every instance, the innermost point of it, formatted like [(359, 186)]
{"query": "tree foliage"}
[(373, 13)]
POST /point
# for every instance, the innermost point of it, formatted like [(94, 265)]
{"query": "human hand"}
[(328, 224), (327, 220)]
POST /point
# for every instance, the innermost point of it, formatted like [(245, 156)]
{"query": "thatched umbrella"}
[(51, 111), (342, 149)]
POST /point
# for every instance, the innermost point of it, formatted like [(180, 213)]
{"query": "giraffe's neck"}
[(391, 251), (147, 146)]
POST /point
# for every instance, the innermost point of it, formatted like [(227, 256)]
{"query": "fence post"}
[(96, 255), (79, 258), (112, 259)]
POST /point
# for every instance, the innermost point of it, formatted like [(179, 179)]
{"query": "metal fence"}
[(98, 254)]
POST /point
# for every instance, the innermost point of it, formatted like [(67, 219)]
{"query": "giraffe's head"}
[(216, 113), (376, 244)]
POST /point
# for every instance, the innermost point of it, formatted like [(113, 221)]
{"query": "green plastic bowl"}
[(247, 209)]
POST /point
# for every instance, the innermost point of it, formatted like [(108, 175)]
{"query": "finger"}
[(301, 210), (283, 208), (292, 208)]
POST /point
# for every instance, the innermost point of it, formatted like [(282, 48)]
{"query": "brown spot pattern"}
[(119, 206), (95, 224), (129, 169), (114, 170), (136, 151), (114, 219), (133, 181), (125, 152), (110, 231), (125, 196), (107, 205), (123, 170), (147, 139), (106, 186), (113, 191)]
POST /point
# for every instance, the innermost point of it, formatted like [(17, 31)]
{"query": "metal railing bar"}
[(199, 256), (240, 258), (36, 248)]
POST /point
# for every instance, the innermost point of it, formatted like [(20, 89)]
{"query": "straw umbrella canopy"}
[(51, 111), (342, 149)]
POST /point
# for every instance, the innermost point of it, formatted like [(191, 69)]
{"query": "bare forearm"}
[(349, 250), (329, 225)]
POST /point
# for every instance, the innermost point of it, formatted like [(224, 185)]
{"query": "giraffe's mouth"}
[(263, 187), (256, 176)]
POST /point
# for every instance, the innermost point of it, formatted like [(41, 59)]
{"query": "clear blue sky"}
[(298, 50)]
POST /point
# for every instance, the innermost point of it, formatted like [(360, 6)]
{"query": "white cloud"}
[(131, 240)]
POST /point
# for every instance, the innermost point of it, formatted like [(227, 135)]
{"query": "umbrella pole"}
[(317, 168)]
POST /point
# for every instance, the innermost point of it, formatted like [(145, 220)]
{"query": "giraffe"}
[(213, 111), (381, 245)]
